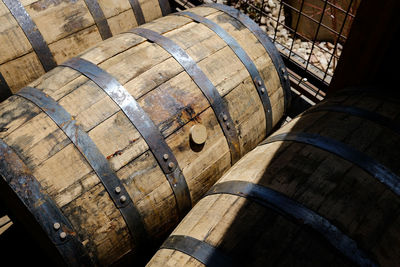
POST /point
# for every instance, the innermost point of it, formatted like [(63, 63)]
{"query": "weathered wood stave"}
[(174, 104), (58, 30), (346, 212)]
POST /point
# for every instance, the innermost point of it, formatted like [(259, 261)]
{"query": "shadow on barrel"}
[(323, 190)]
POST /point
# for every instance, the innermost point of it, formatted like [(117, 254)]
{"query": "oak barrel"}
[(110, 149), (321, 191), (36, 35)]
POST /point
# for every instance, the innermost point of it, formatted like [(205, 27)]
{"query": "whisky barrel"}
[(36, 35), (109, 150), (321, 191)]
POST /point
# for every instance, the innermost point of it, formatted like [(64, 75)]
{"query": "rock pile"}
[(320, 53)]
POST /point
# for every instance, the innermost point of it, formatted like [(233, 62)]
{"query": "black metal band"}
[(244, 58), (5, 90), (165, 7), (377, 170), (137, 10), (99, 18), (210, 92), (266, 42), (46, 213), (142, 122), (33, 34), (359, 112), (381, 93), (94, 157), (200, 250), (297, 212)]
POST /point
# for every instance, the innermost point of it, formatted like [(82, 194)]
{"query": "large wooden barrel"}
[(109, 150), (36, 35), (321, 191)]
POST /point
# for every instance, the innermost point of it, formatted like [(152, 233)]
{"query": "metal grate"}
[(310, 35)]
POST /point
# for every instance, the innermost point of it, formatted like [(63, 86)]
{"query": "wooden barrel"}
[(109, 150), (36, 35), (321, 191)]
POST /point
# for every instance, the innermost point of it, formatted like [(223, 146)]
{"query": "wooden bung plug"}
[(198, 134)]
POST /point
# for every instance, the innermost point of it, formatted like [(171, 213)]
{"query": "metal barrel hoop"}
[(244, 58), (358, 112), (32, 33), (145, 126), (165, 7), (49, 217), (266, 42), (205, 253), (94, 157), (368, 164), (99, 18), (217, 103), (137, 10), (293, 210)]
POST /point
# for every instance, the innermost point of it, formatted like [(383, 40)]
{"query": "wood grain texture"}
[(67, 27), (174, 103), (358, 204)]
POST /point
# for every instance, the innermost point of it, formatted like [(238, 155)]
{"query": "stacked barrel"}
[(38, 35), (321, 191), (102, 156)]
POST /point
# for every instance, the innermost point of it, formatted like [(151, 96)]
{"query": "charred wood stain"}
[(119, 152), (74, 21), (182, 117), (44, 4), (222, 18), (24, 110)]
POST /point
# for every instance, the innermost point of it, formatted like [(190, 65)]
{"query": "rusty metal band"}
[(99, 18), (244, 58), (210, 92), (368, 164), (209, 255), (55, 225), (359, 112), (146, 127), (5, 90), (165, 7), (293, 210), (266, 42), (137, 10), (93, 156), (33, 34)]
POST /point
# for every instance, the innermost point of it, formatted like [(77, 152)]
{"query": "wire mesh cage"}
[(310, 35)]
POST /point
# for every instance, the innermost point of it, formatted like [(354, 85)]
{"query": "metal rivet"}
[(56, 226), (283, 70), (122, 199), (259, 83), (63, 235), (118, 190), (165, 156), (228, 125), (262, 90), (225, 117), (171, 165)]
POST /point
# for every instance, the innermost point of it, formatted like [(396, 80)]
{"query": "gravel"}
[(319, 54)]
